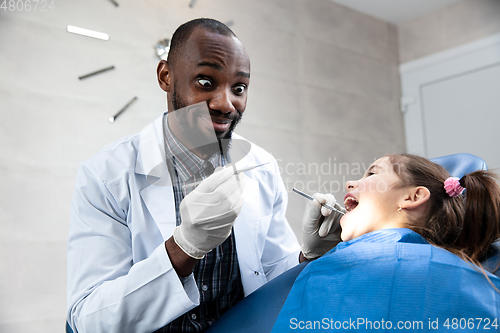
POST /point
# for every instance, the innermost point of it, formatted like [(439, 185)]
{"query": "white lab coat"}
[(120, 278)]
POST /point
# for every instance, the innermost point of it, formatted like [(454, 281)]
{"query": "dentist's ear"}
[(417, 198), (164, 75)]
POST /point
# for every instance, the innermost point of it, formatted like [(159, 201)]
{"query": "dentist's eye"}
[(240, 89), (205, 83)]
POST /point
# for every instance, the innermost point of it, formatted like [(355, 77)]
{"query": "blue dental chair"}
[(250, 316)]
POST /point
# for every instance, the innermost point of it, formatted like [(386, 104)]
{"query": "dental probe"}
[(311, 198), (236, 172)]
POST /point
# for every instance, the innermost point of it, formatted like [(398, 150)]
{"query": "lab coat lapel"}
[(158, 196), (160, 202), (151, 152)]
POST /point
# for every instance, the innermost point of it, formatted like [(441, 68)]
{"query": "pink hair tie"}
[(453, 187)]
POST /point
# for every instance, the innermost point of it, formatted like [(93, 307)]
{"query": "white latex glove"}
[(209, 211), (320, 226)]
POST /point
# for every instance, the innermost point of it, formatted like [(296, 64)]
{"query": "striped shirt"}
[(217, 275)]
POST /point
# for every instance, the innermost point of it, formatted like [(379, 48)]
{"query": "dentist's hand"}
[(208, 212), (320, 226)]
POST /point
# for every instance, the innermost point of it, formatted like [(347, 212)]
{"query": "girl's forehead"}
[(382, 162), (384, 166)]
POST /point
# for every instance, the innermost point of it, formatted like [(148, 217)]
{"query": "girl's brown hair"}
[(467, 224)]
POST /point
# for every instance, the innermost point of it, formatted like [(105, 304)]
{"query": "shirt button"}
[(204, 288), (193, 316), (256, 273)]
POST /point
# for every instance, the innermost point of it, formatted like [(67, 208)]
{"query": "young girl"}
[(409, 260), (407, 191)]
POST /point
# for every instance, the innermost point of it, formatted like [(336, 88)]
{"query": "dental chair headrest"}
[(459, 165)]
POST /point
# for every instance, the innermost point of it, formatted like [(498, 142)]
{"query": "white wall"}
[(325, 87), (460, 23)]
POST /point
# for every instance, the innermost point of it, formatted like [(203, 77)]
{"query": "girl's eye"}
[(205, 83), (368, 174), (239, 89)]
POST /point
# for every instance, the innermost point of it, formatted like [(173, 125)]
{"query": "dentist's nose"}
[(222, 101)]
